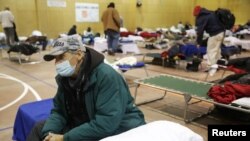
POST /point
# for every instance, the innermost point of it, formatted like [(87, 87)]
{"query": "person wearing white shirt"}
[(88, 32), (180, 26), (7, 20), (88, 36)]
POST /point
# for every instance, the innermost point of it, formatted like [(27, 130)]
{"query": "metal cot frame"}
[(27, 57), (204, 87)]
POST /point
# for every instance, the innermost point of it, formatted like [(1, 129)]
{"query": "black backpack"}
[(226, 17)]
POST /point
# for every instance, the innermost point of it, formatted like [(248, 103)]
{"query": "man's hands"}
[(53, 137)]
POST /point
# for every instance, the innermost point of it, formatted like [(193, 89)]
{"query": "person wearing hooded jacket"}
[(92, 101), (72, 30), (208, 21), (111, 23)]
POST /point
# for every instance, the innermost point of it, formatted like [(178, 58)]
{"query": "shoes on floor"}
[(213, 69), (104, 51), (119, 50), (223, 62), (111, 53)]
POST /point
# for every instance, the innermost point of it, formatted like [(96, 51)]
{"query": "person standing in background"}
[(16, 39), (7, 20), (111, 22), (208, 21), (72, 30)]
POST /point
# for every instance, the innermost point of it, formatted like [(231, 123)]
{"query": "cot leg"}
[(143, 58), (163, 62), (19, 57), (200, 66), (146, 70), (224, 71), (9, 56), (136, 89), (187, 98), (152, 100), (206, 76), (1, 52)]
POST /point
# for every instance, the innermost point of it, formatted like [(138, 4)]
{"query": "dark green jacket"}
[(109, 106)]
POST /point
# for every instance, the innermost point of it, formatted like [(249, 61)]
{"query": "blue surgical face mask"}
[(65, 69)]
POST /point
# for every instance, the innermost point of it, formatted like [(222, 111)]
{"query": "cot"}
[(187, 87), (26, 50), (30, 113), (27, 115)]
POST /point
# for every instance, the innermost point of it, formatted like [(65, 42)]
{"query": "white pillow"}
[(2, 36), (36, 33), (126, 61), (22, 38), (157, 131), (63, 35), (244, 101), (122, 29)]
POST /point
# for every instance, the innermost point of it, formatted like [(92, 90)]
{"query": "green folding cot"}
[(189, 88)]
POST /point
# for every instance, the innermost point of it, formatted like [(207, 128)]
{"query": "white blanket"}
[(157, 131), (191, 33), (244, 31), (244, 101), (135, 38), (101, 45), (2, 36), (36, 33), (175, 30), (233, 41)]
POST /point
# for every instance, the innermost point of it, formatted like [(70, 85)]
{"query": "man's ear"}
[(80, 55)]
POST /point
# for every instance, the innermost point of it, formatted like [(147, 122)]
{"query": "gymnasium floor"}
[(38, 79)]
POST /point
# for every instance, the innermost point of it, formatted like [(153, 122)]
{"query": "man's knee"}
[(36, 132)]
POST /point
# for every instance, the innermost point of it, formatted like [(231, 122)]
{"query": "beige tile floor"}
[(40, 77)]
